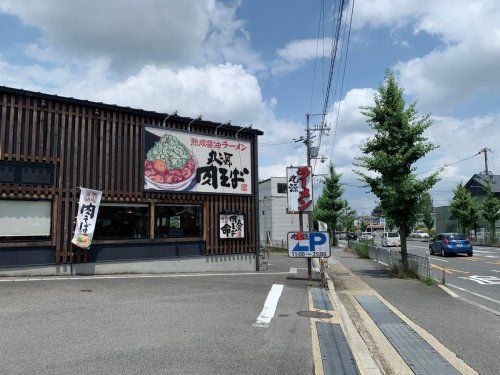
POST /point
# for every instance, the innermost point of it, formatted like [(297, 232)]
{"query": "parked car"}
[(450, 243), (366, 236), (390, 239), (419, 234)]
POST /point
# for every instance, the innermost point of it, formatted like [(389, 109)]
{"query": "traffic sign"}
[(308, 244)]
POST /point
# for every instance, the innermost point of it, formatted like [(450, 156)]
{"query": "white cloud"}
[(297, 52), (457, 139), (466, 63), (132, 34)]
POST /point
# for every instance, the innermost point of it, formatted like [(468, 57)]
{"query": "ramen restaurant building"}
[(178, 194)]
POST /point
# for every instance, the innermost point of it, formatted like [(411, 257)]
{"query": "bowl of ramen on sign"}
[(169, 165)]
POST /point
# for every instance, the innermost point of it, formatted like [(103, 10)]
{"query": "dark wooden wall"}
[(102, 150)]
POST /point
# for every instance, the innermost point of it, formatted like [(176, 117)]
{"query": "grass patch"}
[(428, 280), (399, 272)]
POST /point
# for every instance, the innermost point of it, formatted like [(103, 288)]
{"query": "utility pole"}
[(309, 214), (307, 142), (485, 152)]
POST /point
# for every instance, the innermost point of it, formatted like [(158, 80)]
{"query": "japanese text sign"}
[(299, 189), (231, 226), (176, 161), (308, 244), (88, 207)]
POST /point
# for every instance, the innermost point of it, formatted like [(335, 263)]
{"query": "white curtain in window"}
[(24, 218)]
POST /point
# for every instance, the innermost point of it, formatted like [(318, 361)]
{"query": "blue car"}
[(450, 243)]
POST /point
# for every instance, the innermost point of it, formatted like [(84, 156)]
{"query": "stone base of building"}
[(217, 263)]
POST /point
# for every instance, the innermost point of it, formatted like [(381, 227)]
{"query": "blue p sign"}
[(316, 239)]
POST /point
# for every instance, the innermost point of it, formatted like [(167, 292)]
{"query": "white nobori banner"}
[(88, 206)]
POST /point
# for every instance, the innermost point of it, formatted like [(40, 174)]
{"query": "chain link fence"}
[(390, 257)]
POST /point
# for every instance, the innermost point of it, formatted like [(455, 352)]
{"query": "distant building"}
[(446, 222), (477, 185), (274, 221)]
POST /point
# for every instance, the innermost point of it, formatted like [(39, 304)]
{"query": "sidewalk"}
[(451, 329)]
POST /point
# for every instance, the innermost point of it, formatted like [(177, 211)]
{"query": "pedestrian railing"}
[(391, 257)]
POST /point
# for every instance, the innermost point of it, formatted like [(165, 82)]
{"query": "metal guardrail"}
[(391, 257)]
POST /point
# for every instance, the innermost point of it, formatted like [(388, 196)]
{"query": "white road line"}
[(267, 313), (495, 270), (473, 293), (439, 259), (482, 251), (65, 278), (447, 290), (292, 270)]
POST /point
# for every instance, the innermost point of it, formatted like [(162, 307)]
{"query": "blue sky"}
[(253, 62)]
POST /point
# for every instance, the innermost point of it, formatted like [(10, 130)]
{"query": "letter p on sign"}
[(316, 239)]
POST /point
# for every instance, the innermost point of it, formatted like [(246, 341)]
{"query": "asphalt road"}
[(180, 324), (476, 278)]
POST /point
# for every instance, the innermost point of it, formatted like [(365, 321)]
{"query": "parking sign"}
[(308, 244)]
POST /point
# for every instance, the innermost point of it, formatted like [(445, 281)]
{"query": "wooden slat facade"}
[(98, 146)]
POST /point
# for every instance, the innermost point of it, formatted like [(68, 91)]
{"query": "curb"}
[(364, 360)]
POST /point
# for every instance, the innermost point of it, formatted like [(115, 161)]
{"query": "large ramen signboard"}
[(177, 161)]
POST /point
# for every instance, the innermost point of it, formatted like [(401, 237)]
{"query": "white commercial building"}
[(274, 221)]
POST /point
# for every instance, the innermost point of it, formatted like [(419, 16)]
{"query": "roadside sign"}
[(382, 221), (308, 244), (299, 189)]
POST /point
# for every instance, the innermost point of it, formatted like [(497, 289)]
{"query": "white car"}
[(366, 236), (390, 239), (420, 234)]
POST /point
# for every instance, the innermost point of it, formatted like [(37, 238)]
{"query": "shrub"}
[(361, 249)]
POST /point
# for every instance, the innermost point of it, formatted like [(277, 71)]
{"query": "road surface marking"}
[(111, 277), (490, 256), (447, 290), (495, 270), (473, 293), (292, 270), (482, 251), (448, 270), (433, 257), (483, 280), (267, 313)]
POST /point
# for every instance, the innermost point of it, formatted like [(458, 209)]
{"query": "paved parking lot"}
[(180, 324)]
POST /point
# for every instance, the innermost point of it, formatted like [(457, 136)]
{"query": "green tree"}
[(464, 208), (397, 145), (490, 210), (347, 217), (363, 227), (426, 208), (330, 202)]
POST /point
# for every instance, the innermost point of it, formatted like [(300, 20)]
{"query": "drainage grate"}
[(335, 352), (320, 299), (415, 351)]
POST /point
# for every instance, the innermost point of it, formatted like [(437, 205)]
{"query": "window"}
[(282, 188), (25, 220), (117, 221), (26, 173), (177, 221)]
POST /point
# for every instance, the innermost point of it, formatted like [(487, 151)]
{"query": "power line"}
[(316, 58), (342, 84)]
